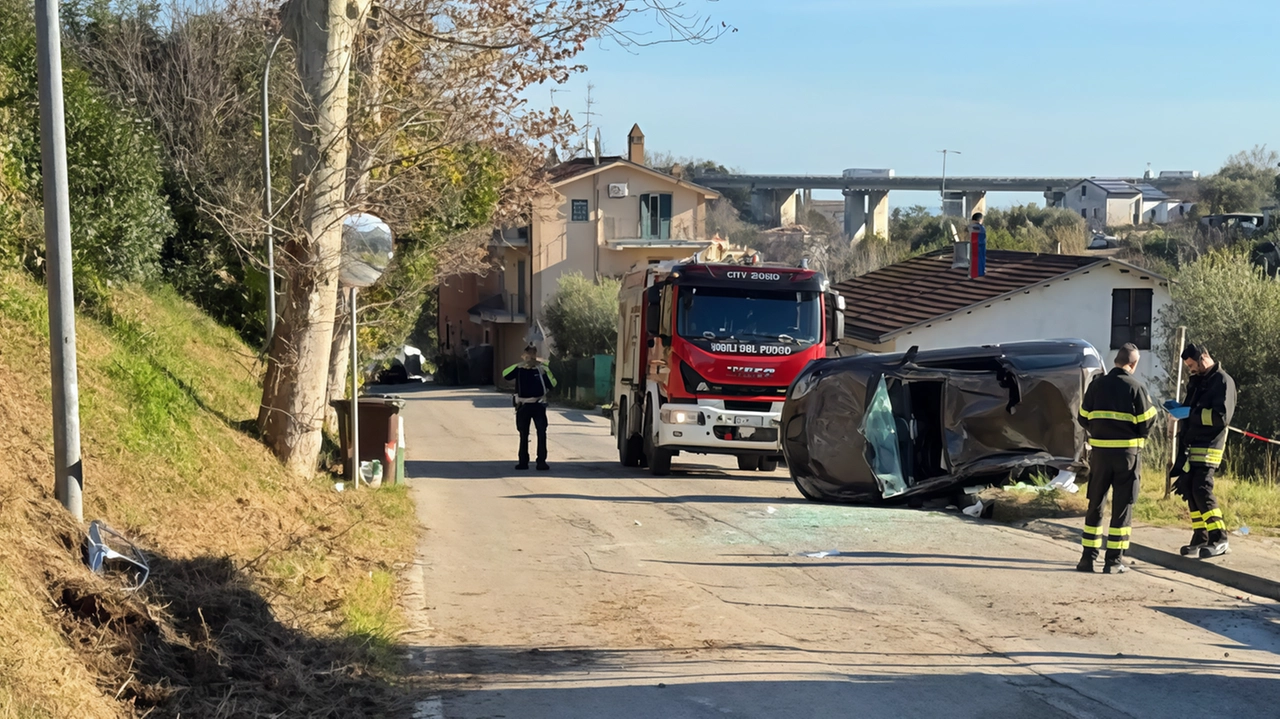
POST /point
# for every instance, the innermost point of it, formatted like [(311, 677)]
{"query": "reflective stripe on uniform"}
[(1206, 417), (1205, 455), (1213, 520), (1091, 539), (1117, 443), (1120, 416), (1197, 521), (1118, 537)]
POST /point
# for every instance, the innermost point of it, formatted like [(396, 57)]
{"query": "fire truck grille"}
[(693, 382)]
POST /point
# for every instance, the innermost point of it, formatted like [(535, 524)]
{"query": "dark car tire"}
[(748, 463)]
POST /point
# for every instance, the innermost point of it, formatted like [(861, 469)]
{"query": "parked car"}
[(887, 427)]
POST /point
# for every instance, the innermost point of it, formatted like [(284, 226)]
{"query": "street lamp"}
[(266, 174), (944, 176), (366, 252), (68, 470), (944, 171)]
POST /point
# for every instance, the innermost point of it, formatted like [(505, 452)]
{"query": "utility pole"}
[(266, 174), (67, 467)]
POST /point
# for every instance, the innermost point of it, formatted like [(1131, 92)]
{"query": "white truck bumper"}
[(715, 430)]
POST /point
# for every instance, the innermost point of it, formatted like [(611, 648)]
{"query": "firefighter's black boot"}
[(1199, 538), (1216, 547), (1114, 563), (1086, 561)]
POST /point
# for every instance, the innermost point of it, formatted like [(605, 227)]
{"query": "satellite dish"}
[(366, 250)]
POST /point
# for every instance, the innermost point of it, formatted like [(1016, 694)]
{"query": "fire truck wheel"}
[(768, 465), (630, 447), (749, 463), (659, 458)]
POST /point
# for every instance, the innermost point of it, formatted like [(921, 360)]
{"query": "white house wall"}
[(1121, 210), (1092, 206), (1078, 308)]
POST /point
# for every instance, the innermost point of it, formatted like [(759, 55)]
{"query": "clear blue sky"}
[(1089, 87)]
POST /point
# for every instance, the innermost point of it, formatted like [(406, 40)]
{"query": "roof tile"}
[(923, 288)]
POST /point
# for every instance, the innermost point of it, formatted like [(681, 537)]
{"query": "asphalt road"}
[(598, 591)]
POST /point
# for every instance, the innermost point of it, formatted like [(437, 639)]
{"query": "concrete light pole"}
[(67, 468), (266, 174)]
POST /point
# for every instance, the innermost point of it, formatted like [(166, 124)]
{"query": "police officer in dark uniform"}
[(533, 379), (1202, 437), (1117, 414)]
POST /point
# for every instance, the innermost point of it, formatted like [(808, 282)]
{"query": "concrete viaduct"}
[(866, 199)]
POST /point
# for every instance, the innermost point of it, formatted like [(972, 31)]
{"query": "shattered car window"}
[(880, 429)]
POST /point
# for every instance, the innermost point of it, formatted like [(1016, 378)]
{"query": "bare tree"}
[(411, 109)]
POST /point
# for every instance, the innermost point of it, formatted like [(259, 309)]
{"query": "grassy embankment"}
[(1252, 503), (269, 596)]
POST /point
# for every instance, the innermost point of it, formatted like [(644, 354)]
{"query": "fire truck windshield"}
[(749, 315)]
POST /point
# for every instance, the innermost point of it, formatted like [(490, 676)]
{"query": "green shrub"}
[(1228, 305), (582, 317), (118, 218)]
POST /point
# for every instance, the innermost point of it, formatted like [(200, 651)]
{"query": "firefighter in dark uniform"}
[(1202, 437), (533, 379), (1117, 414)]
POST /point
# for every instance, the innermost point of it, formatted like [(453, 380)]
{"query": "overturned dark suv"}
[(888, 427)]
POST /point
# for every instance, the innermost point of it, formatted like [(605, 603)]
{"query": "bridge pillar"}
[(878, 214), (975, 202), (766, 206), (794, 209), (758, 201), (953, 204), (855, 214)]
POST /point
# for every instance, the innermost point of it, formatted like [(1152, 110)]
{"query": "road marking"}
[(432, 708)]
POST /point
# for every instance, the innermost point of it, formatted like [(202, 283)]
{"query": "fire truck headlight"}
[(678, 416)]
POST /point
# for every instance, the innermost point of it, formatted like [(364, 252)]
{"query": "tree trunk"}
[(294, 393), (339, 362), (368, 68)]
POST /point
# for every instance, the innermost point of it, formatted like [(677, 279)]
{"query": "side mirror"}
[(835, 318), (653, 310)]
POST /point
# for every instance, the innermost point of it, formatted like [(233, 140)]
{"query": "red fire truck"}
[(706, 352)]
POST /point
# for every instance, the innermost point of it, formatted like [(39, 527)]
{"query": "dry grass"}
[(261, 601), (1251, 503), (1014, 507)]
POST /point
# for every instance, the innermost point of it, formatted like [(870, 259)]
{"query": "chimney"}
[(960, 255), (635, 145)]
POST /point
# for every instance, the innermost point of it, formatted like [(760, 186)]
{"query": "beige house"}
[(603, 216)]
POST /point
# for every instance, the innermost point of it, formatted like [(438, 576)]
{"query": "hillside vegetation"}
[(268, 596)]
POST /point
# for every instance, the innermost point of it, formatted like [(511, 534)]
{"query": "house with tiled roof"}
[(931, 302), (1115, 203), (601, 216)]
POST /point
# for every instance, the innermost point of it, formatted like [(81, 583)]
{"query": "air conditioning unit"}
[(617, 189)]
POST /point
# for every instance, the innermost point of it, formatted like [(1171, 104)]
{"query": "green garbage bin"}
[(379, 433)]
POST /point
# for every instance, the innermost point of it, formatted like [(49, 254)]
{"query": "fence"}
[(584, 381)]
